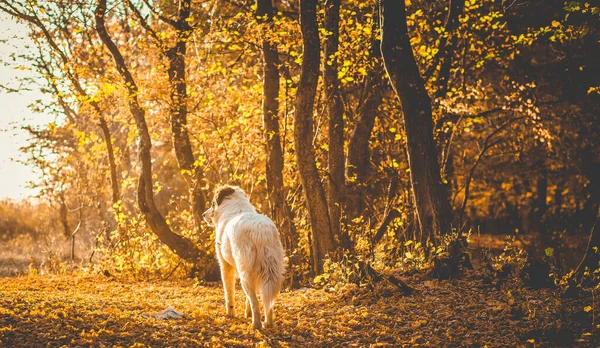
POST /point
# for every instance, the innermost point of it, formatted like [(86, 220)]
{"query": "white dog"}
[(246, 242)]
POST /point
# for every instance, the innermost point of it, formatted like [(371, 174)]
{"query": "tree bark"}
[(178, 244), (358, 162), (114, 180), (73, 234), (432, 205), (181, 141), (335, 108), (175, 55), (591, 169), (592, 256), (448, 44), (540, 205), (276, 191), (322, 241), (64, 214)]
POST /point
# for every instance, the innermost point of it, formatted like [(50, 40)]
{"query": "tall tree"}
[(431, 201), (335, 161), (175, 55), (359, 157), (276, 191), (448, 42), (322, 241), (179, 244)]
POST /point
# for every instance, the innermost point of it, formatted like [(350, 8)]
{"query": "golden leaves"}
[(72, 310)]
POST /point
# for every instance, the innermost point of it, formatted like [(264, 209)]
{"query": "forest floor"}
[(99, 311)]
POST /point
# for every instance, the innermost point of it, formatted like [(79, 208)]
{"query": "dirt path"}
[(83, 311)]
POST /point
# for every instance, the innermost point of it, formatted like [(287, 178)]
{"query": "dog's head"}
[(221, 195)]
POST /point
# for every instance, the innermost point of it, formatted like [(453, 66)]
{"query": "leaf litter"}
[(59, 311)]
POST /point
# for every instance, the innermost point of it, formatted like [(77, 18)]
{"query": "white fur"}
[(247, 242)]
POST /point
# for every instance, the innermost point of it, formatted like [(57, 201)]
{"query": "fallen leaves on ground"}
[(98, 311)]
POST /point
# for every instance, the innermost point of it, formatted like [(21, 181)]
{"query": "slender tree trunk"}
[(63, 211), (591, 170), (280, 209), (335, 161), (322, 241), (540, 205), (432, 205), (180, 245), (358, 162), (73, 234), (192, 171), (358, 158), (114, 180), (592, 256), (448, 44)]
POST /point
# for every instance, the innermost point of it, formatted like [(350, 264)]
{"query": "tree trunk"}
[(63, 211), (280, 209), (73, 236), (540, 205), (432, 205), (322, 241), (358, 162), (192, 171), (358, 158), (592, 256), (178, 244), (114, 181), (591, 169), (335, 108), (447, 48)]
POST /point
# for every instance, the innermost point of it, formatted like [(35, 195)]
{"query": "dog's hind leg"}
[(228, 277), (250, 290)]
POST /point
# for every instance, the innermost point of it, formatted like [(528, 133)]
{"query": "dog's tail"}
[(273, 267)]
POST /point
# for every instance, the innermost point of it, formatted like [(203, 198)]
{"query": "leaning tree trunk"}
[(322, 241), (178, 244), (431, 201), (335, 161), (280, 209)]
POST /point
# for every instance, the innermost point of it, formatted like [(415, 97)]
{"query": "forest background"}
[(216, 90), (382, 138)]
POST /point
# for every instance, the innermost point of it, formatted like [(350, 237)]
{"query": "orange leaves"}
[(94, 310), (418, 323)]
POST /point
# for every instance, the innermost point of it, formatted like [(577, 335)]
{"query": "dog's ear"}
[(223, 192)]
